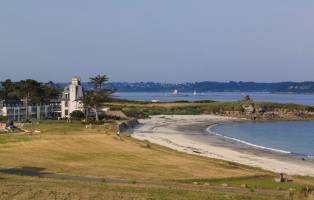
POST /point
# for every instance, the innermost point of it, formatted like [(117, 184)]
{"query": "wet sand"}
[(188, 134)]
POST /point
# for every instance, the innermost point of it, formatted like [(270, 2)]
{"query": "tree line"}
[(31, 90)]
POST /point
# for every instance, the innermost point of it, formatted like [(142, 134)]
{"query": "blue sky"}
[(164, 40)]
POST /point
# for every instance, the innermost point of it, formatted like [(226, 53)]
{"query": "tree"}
[(9, 90), (86, 100), (77, 115), (2, 93), (49, 91), (28, 90), (96, 97), (98, 81)]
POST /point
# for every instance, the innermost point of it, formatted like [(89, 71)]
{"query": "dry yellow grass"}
[(92, 152)]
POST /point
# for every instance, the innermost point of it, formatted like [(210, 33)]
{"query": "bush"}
[(135, 113), (3, 119), (77, 115)]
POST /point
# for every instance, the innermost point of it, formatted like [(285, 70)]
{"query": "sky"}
[(157, 40)]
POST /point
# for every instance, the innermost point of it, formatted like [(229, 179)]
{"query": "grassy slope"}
[(72, 149), (95, 152)]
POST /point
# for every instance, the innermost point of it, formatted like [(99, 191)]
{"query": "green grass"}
[(60, 127), (288, 106), (10, 138), (15, 187), (254, 182)]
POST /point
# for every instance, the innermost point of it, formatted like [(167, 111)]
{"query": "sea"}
[(291, 137), (305, 99)]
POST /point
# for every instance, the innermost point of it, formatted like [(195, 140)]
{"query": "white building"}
[(17, 111), (33, 112), (72, 98)]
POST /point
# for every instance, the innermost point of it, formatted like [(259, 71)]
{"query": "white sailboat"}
[(195, 93), (175, 93)]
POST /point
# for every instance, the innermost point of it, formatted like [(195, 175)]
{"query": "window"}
[(66, 112), (66, 104)]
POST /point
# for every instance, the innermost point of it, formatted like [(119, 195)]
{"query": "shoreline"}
[(187, 133), (209, 130)]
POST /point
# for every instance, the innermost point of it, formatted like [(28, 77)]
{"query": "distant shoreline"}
[(306, 99), (212, 86), (191, 92), (187, 134)]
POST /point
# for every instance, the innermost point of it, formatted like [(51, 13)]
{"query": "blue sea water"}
[(306, 99), (295, 137)]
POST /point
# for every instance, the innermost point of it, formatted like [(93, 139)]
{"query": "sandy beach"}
[(188, 134)]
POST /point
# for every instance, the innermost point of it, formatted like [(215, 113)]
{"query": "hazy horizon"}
[(160, 41), (87, 80)]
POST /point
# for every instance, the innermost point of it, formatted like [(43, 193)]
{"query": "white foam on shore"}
[(209, 130)]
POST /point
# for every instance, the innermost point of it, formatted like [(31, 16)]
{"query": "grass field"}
[(150, 171), (12, 187)]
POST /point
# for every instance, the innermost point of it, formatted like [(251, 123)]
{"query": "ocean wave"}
[(209, 130)]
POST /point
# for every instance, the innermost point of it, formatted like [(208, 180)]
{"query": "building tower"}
[(72, 98)]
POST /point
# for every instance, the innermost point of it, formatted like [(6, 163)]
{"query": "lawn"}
[(97, 152), (20, 188), (13, 137), (153, 172)]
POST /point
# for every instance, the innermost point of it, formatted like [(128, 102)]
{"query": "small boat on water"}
[(175, 93)]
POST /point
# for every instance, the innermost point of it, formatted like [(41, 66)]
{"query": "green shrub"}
[(3, 119), (77, 115), (135, 113)]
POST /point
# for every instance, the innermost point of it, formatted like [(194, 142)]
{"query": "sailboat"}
[(176, 93), (194, 93)]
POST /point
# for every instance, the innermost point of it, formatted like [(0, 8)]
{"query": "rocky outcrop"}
[(251, 111), (129, 124), (248, 109), (248, 106), (122, 126), (276, 114)]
